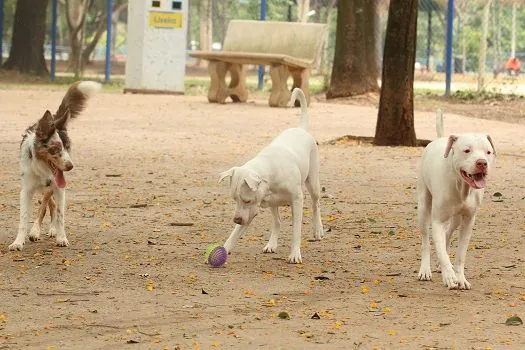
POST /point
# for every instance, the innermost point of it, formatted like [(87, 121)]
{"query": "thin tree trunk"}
[(483, 45), (355, 67), (395, 120), (29, 30), (205, 21), (513, 32), (303, 6)]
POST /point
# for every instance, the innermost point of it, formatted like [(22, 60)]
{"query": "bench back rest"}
[(300, 40)]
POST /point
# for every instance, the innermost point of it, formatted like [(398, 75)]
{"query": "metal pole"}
[(260, 82), (449, 63), (1, 30), (54, 15), (107, 70), (429, 39)]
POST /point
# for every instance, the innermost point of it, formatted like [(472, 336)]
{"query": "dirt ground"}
[(131, 278)]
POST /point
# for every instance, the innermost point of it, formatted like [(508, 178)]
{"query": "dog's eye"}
[(467, 151), (489, 152)]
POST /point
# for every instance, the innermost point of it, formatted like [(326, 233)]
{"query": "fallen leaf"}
[(364, 289), (284, 315), (514, 321)]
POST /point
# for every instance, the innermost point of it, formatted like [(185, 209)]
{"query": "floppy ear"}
[(491, 143), (45, 126), (253, 180), (451, 140), (61, 124), (225, 174)]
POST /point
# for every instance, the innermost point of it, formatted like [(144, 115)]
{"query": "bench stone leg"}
[(218, 89), (237, 89), (301, 80), (280, 95)]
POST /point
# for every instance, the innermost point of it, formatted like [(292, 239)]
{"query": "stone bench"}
[(289, 48)]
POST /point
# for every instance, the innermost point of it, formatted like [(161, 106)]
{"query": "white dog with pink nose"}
[(451, 183)]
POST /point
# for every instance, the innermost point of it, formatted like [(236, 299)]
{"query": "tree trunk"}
[(483, 45), (76, 13), (496, 23), (205, 21), (303, 6), (395, 120), (355, 67), (513, 32), (29, 31)]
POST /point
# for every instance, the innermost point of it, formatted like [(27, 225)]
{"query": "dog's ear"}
[(491, 143), (451, 140), (61, 124), (253, 180), (45, 126), (225, 174)]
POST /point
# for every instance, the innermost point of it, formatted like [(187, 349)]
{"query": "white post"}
[(156, 45)]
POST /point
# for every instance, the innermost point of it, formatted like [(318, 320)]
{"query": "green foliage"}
[(471, 28), (484, 95)]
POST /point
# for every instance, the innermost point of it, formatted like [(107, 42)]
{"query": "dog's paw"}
[(463, 283), (318, 233), (52, 232), (425, 274), (270, 248), (295, 258), (449, 279), (62, 242), (16, 246), (34, 234)]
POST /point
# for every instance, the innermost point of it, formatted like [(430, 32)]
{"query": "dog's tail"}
[(298, 93), (440, 129), (75, 99)]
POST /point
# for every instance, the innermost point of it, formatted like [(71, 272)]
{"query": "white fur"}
[(274, 178), (446, 201), (36, 176), (89, 88)]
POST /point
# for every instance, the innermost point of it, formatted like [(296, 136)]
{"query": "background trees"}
[(354, 69), (29, 31), (395, 120)]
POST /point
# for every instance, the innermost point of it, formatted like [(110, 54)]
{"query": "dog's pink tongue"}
[(480, 183), (60, 179)]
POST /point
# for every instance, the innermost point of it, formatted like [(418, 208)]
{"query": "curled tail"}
[(75, 99), (440, 130), (298, 93)]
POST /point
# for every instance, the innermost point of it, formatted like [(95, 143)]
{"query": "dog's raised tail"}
[(76, 97), (298, 93), (440, 129)]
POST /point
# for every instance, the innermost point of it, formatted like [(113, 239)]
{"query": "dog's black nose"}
[(68, 166), (238, 220)]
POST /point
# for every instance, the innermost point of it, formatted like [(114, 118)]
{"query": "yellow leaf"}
[(215, 344), (364, 289), (97, 247), (126, 257), (522, 298), (337, 324), (387, 310), (2, 318), (150, 286), (271, 302), (373, 305), (249, 292), (391, 332)]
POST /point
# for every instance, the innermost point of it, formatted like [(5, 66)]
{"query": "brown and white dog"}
[(44, 157)]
